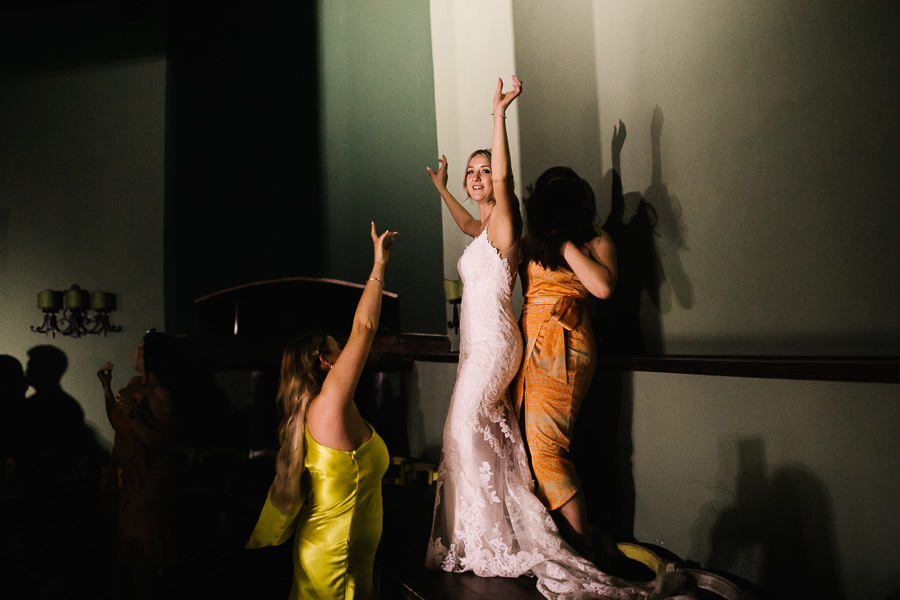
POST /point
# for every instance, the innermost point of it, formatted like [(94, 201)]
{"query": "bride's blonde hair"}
[(301, 381), (485, 152)]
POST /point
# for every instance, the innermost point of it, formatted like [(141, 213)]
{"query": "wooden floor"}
[(400, 563), (460, 586), (46, 554)]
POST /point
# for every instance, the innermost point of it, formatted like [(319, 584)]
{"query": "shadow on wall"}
[(52, 466), (648, 234), (778, 533), (66, 447), (649, 245)]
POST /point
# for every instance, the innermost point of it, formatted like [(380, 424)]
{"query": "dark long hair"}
[(561, 207), (161, 357)]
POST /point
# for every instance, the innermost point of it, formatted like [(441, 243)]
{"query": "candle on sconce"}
[(50, 300), (75, 321), (76, 298), (452, 289), (103, 301)]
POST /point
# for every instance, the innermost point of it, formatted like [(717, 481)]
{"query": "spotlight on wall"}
[(453, 295), (75, 320)]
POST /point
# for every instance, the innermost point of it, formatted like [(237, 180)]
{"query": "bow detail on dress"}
[(550, 351)]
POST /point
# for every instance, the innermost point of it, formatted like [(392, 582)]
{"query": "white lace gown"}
[(486, 517)]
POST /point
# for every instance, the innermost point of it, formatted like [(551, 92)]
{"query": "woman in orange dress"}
[(566, 260), (136, 494)]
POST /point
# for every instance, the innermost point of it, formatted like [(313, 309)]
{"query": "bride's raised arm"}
[(506, 221), (463, 218)]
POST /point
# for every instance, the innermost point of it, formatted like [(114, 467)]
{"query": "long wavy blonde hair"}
[(301, 381)]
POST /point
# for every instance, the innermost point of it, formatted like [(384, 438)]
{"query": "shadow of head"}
[(46, 366)]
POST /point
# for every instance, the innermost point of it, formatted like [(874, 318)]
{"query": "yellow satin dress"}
[(337, 527)]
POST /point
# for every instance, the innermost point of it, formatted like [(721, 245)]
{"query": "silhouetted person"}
[(55, 469), (58, 438), (649, 249), (779, 532), (604, 449), (136, 495), (13, 516), (13, 386), (668, 228)]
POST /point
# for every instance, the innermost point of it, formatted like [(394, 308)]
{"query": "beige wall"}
[(777, 230), (778, 150), (797, 470)]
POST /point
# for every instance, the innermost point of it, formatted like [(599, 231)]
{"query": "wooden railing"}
[(436, 348), (431, 348), (839, 368)]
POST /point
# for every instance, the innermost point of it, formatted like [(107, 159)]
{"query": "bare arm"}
[(594, 264), (146, 410), (332, 415), (505, 220), (105, 377), (468, 224)]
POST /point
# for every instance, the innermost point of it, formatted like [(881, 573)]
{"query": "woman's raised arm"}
[(506, 220), (594, 264), (463, 218), (340, 384)]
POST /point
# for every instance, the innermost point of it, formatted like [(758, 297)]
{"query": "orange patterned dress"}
[(556, 372)]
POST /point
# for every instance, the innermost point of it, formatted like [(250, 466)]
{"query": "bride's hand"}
[(503, 100), (439, 177)]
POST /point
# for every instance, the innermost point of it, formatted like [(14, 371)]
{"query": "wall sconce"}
[(75, 320), (453, 294)]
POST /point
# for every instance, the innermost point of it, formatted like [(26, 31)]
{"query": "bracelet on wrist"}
[(493, 115), (374, 279)]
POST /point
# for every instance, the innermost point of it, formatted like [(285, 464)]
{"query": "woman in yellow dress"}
[(327, 488), (566, 260)]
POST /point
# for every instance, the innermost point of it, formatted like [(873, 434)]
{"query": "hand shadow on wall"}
[(648, 247), (670, 242), (778, 533)]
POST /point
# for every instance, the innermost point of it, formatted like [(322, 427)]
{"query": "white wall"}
[(81, 202), (471, 47)]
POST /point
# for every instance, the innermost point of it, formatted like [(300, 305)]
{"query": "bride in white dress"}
[(486, 517)]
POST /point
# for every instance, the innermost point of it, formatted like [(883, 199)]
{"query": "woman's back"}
[(339, 525)]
